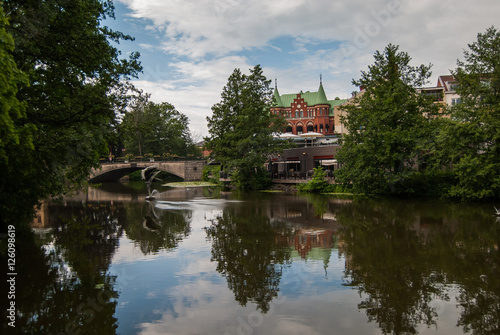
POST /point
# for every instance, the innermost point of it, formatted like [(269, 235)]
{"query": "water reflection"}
[(65, 285), (248, 253), (208, 261), (155, 229), (403, 257)]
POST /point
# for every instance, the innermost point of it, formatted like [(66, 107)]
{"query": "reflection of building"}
[(306, 239), (41, 219)]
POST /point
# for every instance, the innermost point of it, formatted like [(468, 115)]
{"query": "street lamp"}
[(305, 162)]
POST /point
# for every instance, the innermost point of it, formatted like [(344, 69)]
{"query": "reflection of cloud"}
[(130, 252), (196, 312)]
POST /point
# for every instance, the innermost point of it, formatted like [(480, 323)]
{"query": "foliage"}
[(183, 184), (77, 81), (249, 177), (211, 173), (389, 126), (156, 129), (241, 128), (318, 183), (11, 108), (471, 140)]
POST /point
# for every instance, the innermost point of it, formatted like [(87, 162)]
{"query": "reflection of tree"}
[(476, 267), (89, 238), (244, 245), (65, 286), (154, 229), (319, 203), (387, 263)]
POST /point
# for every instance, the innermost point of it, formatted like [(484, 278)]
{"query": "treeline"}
[(64, 90), (154, 130), (401, 142)]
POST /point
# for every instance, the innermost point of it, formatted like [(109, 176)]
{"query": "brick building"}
[(307, 112)]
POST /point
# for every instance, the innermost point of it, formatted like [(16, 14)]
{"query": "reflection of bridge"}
[(187, 170)]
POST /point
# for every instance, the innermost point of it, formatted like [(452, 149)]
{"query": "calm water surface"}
[(198, 261)]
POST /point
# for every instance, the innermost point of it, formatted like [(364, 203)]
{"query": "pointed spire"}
[(321, 92), (277, 98)]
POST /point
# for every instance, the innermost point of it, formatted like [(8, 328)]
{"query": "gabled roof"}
[(311, 98), (334, 103), (444, 80)]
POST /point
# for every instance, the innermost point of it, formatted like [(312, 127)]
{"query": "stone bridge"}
[(187, 170)]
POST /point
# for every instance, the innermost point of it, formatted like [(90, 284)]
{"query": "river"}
[(202, 261)]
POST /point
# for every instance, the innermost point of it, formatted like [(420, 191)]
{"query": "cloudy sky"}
[(190, 47)]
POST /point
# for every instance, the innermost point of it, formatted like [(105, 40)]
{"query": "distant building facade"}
[(307, 112), (445, 92)]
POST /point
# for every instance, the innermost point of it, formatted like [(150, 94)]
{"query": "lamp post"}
[(305, 162)]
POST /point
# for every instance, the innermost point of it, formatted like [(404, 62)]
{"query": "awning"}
[(328, 162), (285, 135), (311, 134)]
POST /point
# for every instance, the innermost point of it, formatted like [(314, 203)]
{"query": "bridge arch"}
[(187, 170)]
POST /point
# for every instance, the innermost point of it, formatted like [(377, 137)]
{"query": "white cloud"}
[(197, 89), (147, 46), (205, 40)]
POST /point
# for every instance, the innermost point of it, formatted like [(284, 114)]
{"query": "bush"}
[(211, 173), (318, 183), (249, 178), (135, 176)]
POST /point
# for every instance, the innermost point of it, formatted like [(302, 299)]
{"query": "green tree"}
[(241, 128), (472, 137), (388, 125), (156, 128), (77, 85), (11, 108)]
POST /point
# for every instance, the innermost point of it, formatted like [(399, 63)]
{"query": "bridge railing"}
[(105, 161)]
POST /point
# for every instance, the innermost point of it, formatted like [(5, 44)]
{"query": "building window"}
[(455, 101), (301, 113), (299, 130)]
